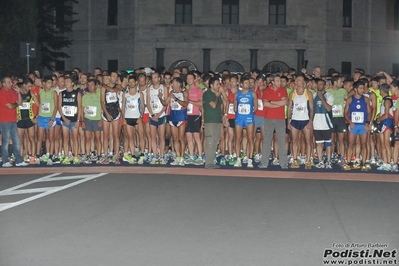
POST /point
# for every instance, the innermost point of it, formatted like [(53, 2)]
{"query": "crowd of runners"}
[(213, 119)]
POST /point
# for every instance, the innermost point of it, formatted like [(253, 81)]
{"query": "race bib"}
[(156, 105), (300, 107), (231, 109), (45, 108), (337, 110), (111, 98), (69, 110), (91, 111), (357, 117), (24, 106), (190, 108), (244, 109), (175, 105), (260, 105), (131, 105)]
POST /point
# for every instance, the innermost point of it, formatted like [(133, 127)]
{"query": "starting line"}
[(43, 191)]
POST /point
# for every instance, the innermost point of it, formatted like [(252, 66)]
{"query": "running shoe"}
[(250, 165)]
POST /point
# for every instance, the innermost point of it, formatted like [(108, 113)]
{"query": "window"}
[(277, 12), (112, 12), (395, 70), (230, 11), (183, 12), (347, 13), (346, 68), (396, 16), (112, 65)]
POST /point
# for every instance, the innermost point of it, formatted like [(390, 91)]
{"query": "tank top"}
[(261, 111), (358, 110), (46, 103), (390, 111), (111, 100), (132, 105), (245, 106), (69, 104), (177, 111), (230, 113), (300, 106), (25, 111), (156, 104)]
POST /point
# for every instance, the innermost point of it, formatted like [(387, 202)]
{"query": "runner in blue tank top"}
[(245, 104), (358, 114)]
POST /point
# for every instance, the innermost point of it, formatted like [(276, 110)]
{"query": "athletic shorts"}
[(259, 121), (92, 125), (322, 135), (339, 125), (384, 126), (26, 123), (146, 118), (114, 113), (232, 123), (131, 121), (58, 121), (69, 126), (299, 124), (193, 124), (167, 118), (258, 130), (177, 124), (357, 130), (244, 122), (158, 123), (43, 122)]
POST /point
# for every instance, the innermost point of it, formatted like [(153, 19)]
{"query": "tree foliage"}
[(55, 22), (18, 20), (46, 22)]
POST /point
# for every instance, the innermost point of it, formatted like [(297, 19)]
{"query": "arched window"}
[(232, 66), (275, 66), (183, 63)]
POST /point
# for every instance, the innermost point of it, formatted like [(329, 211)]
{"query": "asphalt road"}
[(128, 219)]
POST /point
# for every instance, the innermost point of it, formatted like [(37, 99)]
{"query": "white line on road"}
[(43, 191)]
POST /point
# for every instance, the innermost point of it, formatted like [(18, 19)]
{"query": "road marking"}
[(43, 191)]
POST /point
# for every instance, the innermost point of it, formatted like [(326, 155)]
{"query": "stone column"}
[(253, 59), (206, 60), (300, 60), (160, 57)]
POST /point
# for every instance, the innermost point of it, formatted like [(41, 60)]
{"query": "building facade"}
[(235, 34)]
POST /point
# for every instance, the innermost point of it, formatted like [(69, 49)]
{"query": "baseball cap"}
[(148, 70)]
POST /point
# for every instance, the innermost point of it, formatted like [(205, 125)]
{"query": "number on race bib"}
[(244, 109), (357, 117), (45, 108), (91, 111), (337, 110)]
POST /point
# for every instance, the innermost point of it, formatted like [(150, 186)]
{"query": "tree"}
[(18, 20), (55, 21)]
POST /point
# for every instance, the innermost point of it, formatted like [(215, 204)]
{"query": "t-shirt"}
[(269, 94), (286, 107), (211, 115), (194, 94), (338, 106), (8, 115), (91, 105)]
